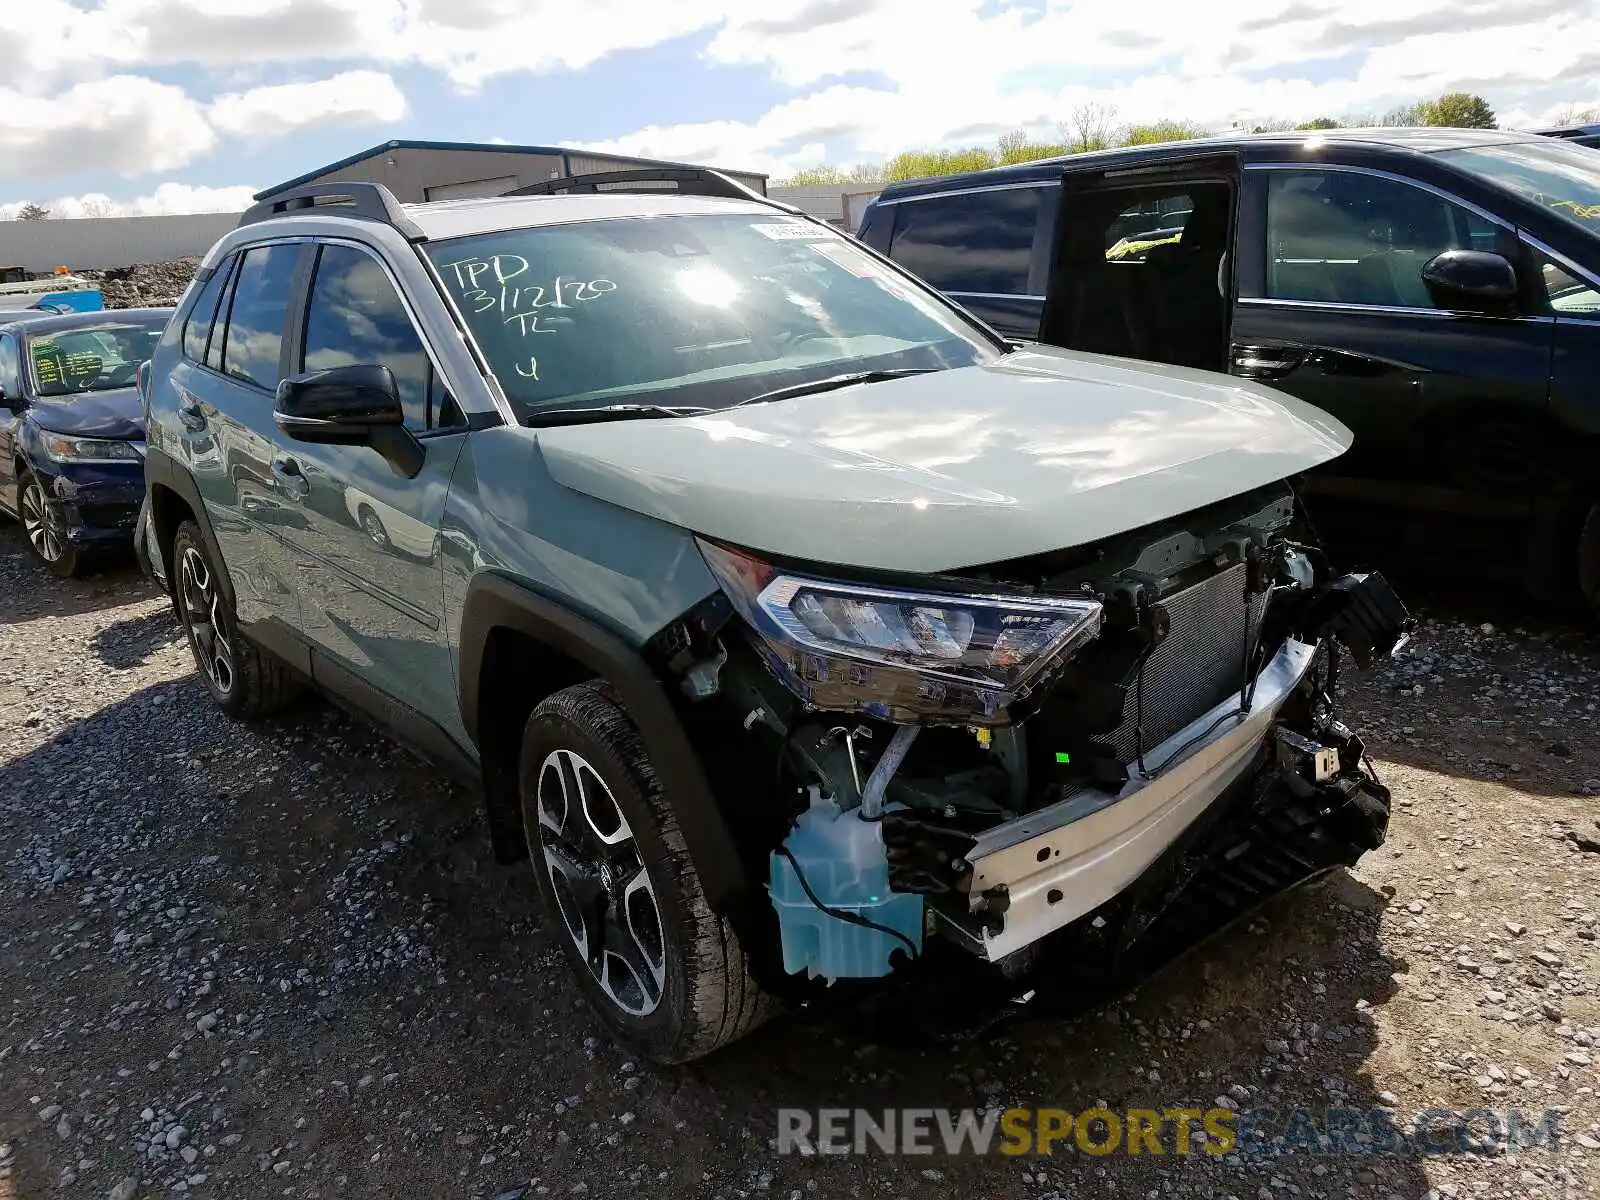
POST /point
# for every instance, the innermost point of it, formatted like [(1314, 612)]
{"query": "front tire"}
[(665, 973), (43, 532), (244, 680)]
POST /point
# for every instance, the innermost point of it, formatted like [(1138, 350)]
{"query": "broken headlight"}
[(901, 654)]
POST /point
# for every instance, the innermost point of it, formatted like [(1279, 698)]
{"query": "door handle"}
[(286, 473), (1266, 362), (191, 413)]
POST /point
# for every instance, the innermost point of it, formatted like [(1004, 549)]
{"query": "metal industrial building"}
[(420, 171)]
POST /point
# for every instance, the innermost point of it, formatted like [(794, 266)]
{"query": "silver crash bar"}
[(1066, 860)]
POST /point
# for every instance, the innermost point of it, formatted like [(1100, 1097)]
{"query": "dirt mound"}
[(144, 284)]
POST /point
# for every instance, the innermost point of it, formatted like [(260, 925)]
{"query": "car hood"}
[(118, 414), (1042, 450)]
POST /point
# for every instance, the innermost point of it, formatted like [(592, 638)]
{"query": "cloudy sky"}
[(185, 105)]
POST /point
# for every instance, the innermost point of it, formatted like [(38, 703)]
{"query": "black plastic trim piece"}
[(371, 201), (496, 602), (411, 727)]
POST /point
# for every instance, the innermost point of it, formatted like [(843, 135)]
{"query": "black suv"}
[(1434, 289)]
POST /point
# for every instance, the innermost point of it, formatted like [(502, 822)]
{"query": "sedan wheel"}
[(600, 884), (201, 604), (40, 526)]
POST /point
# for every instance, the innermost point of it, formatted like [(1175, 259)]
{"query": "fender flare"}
[(494, 601), (160, 470)]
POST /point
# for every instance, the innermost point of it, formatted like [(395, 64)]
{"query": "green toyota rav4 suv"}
[(809, 638)]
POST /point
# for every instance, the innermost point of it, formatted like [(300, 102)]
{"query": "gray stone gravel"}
[(277, 960)]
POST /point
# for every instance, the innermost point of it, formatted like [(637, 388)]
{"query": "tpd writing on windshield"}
[(500, 284), (487, 285)]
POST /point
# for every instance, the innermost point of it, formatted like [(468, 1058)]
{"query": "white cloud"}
[(126, 124), (350, 98), (168, 198)]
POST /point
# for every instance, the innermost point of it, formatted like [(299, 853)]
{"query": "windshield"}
[(1563, 178), (93, 359), (692, 311)]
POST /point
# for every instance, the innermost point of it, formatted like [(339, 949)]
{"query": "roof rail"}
[(370, 201), (691, 181)]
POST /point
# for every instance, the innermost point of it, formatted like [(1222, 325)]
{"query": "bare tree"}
[(1577, 114), (1092, 127), (98, 206)]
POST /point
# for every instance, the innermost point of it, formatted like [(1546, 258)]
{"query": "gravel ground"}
[(278, 961)]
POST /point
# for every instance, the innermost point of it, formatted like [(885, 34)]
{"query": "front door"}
[(1448, 408), (367, 549)]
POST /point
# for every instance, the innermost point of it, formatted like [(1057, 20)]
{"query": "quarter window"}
[(977, 242), (1344, 237), (260, 309), (197, 330), (356, 316)]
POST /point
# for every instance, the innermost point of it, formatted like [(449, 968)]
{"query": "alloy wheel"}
[(202, 602), (39, 525), (597, 874)]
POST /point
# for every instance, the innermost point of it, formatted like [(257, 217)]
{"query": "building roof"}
[(1413, 140), (482, 147)]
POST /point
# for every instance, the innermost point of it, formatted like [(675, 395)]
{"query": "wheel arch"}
[(519, 646), (174, 498)]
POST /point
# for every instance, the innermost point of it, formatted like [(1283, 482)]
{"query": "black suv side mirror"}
[(357, 405), (1473, 281)]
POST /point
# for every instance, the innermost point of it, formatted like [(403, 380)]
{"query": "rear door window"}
[(253, 343), (973, 243)]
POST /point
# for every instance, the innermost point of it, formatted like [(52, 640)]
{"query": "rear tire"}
[(42, 531), (244, 680), (665, 973)]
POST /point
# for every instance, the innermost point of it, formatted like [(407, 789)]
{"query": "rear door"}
[(986, 248), (366, 543), (234, 346), (1446, 406)]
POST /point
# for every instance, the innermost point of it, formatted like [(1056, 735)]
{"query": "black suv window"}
[(977, 242), (254, 338), (197, 330), (355, 315), (1147, 224), (1345, 237)]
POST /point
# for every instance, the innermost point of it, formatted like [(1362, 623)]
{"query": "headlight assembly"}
[(66, 449), (902, 654)]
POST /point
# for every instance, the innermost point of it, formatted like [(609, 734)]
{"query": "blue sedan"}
[(72, 429)]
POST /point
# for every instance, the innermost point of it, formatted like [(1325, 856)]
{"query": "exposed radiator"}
[(1199, 663)]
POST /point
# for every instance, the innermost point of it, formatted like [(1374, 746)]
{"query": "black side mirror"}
[(357, 405), (1472, 281)]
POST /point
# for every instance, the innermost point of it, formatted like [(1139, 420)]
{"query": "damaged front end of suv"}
[(1080, 762)]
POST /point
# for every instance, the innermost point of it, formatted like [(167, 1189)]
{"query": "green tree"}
[(1458, 110), (1163, 131), (1319, 123), (1015, 147), (924, 164), (823, 176), (32, 212)]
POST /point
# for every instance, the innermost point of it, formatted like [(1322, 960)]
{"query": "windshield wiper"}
[(832, 382), (612, 412)]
